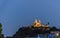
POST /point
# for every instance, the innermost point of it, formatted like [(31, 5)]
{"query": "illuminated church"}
[(38, 23)]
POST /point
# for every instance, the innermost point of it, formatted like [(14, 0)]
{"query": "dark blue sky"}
[(17, 13)]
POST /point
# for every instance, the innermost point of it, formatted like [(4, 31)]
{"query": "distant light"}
[(38, 36), (57, 34)]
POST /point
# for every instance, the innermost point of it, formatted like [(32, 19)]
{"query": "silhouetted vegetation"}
[(54, 29), (1, 35), (32, 31), (8, 37)]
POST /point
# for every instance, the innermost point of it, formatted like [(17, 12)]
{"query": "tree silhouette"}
[(0, 30), (54, 29), (48, 23)]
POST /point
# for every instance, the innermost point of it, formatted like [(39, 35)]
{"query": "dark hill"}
[(24, 32), (33, 30)]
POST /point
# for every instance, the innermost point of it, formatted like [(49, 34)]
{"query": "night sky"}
[(17, 13)]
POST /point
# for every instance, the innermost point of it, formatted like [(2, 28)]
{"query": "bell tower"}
[(37, 23)]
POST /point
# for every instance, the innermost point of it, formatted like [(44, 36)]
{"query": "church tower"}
[(38, 23)]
